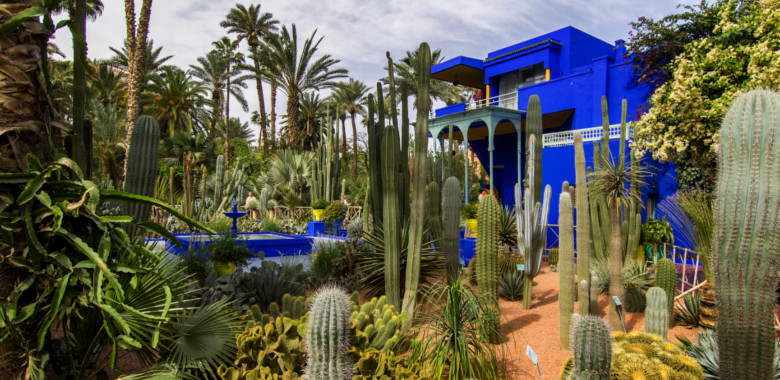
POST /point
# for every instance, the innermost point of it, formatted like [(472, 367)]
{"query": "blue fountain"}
[(235, 214)]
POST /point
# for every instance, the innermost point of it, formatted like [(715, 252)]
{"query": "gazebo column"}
[(465, 133)]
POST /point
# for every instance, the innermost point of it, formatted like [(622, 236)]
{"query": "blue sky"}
[(358, 32)]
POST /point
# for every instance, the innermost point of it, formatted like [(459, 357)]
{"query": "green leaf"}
[(116, 218), (84, 248), (61, 259), (20, 262), (16, 177), (116, 195), (62, 285), (115, 317), (128, 343), (160, 230)]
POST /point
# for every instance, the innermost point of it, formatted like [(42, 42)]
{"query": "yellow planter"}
[(472, 224), (224, 268), (318, 213)]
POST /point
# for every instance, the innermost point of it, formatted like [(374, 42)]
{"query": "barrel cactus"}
[(142, 166), (591, 344), (327, 337), (656, 314), (744, 247)]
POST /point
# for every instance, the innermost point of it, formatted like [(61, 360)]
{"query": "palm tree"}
[(153, 59), (312, 110), (405, 73), (251, 25), (298, 71), (107, 84), (203, 148), (108, 139), (174, 99), (135, 45), (227, 48), (350, 96), (238, 129)]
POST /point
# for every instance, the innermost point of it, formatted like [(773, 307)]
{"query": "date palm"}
[(227, 48), (350, 96), (154, 60), (108, 139), (312, 111), (250, 24), (174, 99), (297, 70), (107, 84), (213, 71)]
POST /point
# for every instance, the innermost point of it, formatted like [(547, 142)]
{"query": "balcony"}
[(506, 101)]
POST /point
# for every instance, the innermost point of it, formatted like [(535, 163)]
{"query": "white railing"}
[(588, 134), (508, 101)]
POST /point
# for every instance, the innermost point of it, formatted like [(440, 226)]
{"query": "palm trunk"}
[(227, 116), (292, 117), (263, 138), (273, 113), (135, 63), (354, 145), (78, 15), (344, 135), (616, 266)]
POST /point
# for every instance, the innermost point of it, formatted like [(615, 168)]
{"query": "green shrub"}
[(323, 256), (319, 204), (270, 225), (260, 286), (220, 223), (470, 210), (335, 212), (197, 264), (229, 250), (335, 262)]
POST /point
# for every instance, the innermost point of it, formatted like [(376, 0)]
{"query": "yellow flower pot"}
[(318, 213), (223, 268), (472, 224)]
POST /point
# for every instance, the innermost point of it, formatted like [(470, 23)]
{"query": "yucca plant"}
[(451, 345)]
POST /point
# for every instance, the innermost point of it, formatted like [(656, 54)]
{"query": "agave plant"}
[(705, 351), (507, 227), (687, 313)]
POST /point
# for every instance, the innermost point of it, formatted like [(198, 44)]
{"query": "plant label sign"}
[(617, 300), (521, 268), (532, 355), (462, 262)]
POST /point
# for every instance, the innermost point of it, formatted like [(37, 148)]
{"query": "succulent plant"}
[(451, 204), (327, 337), (142, 158), (666, 279), (566, 288), (656, 313), (591, 348), (487, 265)]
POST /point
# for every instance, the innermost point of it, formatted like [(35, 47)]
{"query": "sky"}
[(358, 32)]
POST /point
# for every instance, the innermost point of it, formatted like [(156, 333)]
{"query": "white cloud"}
[(358, 32)]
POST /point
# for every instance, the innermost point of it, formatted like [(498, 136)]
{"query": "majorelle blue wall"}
[(582, 70)]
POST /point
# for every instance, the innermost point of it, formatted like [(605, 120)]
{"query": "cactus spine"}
[(450, 205), (487, 264), (142, 168), (744, 250), (583, 220), (591, 348), (328, 336), (666, 279), (531, 221), (417, 205), (656, 313), (566, 266), (219, 182)]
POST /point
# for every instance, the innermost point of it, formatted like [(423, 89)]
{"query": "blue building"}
[(570, 71)]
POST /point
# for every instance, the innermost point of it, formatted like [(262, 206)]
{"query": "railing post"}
[(684, 273)]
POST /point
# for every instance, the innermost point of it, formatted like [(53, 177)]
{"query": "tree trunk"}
[(135, 63), (292, 117), (263, 138), (354, 145), (22, 128), (273, 114), (616, 266), (78, 15), (227, 116), (344, 135)]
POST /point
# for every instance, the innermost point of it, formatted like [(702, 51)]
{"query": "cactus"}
[(343, 188), (666, 279), (417, 205), (327, 337), (263, 203), (170, 185), (594, 294), (566, 264), (656, 313), (531, 224), (487, 266), (583, 211), (583, 290), (202, 205), (327, 165), (553, 256), (433, 222), (534, 146), (219, 181), (744, 250), (450, 206), (392, 222), (591, 348), (141, 175), (188, 199)]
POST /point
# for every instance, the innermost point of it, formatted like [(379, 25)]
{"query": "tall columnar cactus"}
[(343, 188), (583, 291), (327, 166), (327, 337), (141, 175), (534, 146), (417, 205), (392, 222), (450, 206), (591, 348), (531, 225), (203, 176), (594, 294), (188, 198), (170, 185), (219, 182), (656, 313), (583, 212), (433, 221), (487, 264), (666, 279), (566, 266), (746, 239), (263, 203)]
